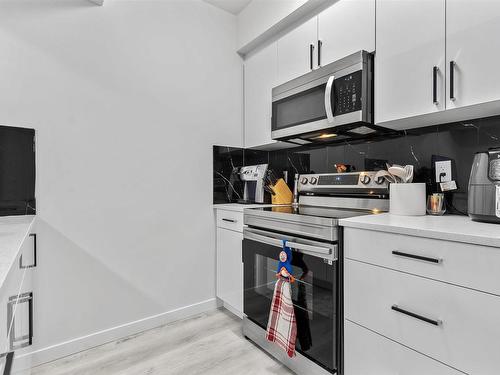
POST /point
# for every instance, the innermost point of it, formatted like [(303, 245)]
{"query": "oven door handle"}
[(328, 99), (303, 248), (309, 248)]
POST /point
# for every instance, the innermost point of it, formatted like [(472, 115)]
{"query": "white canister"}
[(408, 199)]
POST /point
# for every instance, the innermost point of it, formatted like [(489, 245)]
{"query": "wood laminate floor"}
[(207, 344)]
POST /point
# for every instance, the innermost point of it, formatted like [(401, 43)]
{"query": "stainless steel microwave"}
[(332, 103)]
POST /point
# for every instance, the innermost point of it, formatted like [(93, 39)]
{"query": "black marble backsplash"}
[(457, 141)]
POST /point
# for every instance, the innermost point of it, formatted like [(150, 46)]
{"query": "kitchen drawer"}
[(232, 220), (467, 337), (472, 266), (367, 353)]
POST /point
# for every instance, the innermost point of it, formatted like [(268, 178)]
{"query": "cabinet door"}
[(346, 27), (230, 268), (472, 30), (369, 353), (261, 73), (294, 51), (410, 43)]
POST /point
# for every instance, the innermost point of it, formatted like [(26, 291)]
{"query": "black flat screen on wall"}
[(17, 171)]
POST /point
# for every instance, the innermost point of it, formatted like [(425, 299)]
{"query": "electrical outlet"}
[(443, 171)]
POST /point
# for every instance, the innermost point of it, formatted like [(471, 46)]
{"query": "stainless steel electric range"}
[(311, 229)]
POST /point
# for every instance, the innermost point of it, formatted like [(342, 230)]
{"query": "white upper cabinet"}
[(344, 28), (472, 32), (261, 73), (410, 45), (297, 51)]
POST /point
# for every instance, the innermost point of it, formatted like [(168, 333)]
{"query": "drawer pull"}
[(434, 322), (418, 257), (21, 265), (230, 220)]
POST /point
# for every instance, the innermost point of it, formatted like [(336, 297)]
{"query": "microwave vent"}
[(362, 130)]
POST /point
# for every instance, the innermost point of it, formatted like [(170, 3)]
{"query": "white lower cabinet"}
[(16, 307), (431, 303), (230, 269), (367, 353), (454, 325)]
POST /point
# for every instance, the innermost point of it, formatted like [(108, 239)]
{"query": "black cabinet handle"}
[(418, 257), (452, 80), (434, 322), (434, 84), (311, 56), (21, 265), (320, 44), (229, 220)]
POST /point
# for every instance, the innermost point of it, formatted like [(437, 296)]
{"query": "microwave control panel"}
[(348, 91)]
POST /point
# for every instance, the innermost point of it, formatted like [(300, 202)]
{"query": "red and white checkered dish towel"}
[(282, 326)]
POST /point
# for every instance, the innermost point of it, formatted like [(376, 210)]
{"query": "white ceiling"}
[(232, 6)]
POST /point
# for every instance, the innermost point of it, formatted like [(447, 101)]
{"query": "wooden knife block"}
[(282, 193)]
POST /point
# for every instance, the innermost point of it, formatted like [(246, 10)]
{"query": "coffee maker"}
[(253, 178), (484, 187)]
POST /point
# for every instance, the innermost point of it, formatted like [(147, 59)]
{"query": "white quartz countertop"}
[(240, 207), (13, 231), (448, 227)]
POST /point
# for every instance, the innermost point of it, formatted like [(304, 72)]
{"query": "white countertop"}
[(448, 227), (13, 231), (240, 207)]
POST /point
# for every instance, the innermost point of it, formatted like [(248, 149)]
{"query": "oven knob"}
[(304, 180), (313, 180), (380, 180), (365, 179)]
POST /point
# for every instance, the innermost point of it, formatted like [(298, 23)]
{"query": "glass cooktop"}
[(316, 211)]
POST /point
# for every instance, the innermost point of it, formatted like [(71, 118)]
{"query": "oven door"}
[(314, 293)]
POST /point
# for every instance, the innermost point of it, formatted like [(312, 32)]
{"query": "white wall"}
[(127, 100)]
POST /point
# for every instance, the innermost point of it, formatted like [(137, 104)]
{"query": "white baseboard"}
[(51, 353)]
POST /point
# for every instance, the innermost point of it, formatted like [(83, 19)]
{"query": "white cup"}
[(407, 199)]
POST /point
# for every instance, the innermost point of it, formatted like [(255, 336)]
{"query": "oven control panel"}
[(352, 182)]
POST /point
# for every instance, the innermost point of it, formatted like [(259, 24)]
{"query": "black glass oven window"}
[(347, 93), (313, 294), (298, 109)]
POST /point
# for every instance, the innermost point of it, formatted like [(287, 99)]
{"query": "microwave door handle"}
[(328, 99)]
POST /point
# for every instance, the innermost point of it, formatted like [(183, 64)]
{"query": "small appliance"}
[(484, 187), (311, 229), (253, 178), (332, 103)]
